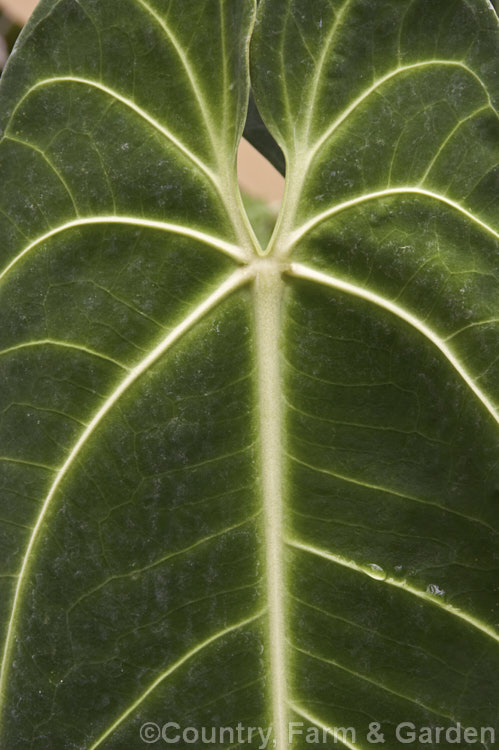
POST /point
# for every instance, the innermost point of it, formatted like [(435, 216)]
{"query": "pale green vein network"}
[(332, 731), (475, 324), (196, 89), (237, 279), (373, 632), (134, 572), (449, 137), (170, 671), (228, 248), (387, 77), (300, 232), (301, 271), (51, 166), (230, 197), (340, 15), (128, 103), (372, 682), (269, 376), (62, 345), (21, 462), (394, 493), (226, 188), (399, 584)]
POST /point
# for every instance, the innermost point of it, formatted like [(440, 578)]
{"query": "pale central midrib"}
[(268, 292)]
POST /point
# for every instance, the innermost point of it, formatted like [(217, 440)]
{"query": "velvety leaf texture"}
[(242, 486)]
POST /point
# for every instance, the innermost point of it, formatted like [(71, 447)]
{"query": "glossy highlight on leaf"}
[(243, 485)]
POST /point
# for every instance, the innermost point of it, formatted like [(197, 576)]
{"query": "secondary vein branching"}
[(305, 272), (234, 251), (237, 279)]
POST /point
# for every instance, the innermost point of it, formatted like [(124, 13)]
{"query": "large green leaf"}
[(244, 487)]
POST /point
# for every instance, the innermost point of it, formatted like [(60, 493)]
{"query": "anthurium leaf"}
[(244, 488)]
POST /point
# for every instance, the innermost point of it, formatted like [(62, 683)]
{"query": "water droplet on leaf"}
[(434, 590), (376, 572)]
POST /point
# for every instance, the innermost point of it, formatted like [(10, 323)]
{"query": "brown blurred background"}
[(18, 10)]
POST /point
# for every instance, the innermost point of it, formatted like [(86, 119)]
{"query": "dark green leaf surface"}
[(246, 486)]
